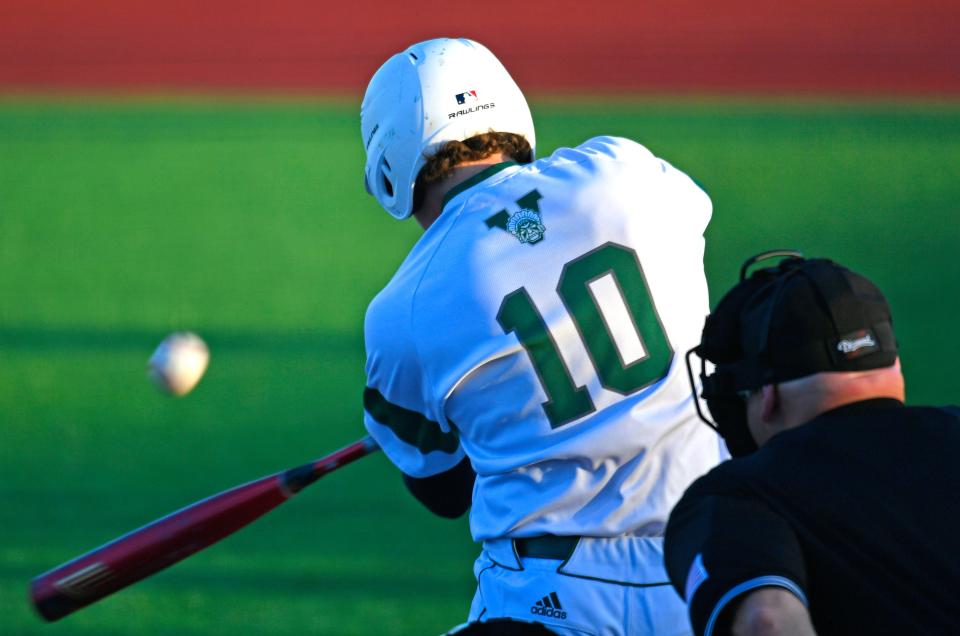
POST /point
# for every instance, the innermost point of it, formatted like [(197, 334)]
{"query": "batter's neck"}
[(433, 197)]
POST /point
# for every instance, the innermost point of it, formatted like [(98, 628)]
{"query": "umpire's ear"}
[(771, 403), (764, 413)]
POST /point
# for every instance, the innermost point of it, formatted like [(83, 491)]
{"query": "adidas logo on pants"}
[(549, 606)]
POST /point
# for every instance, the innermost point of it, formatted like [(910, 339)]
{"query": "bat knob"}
[(49, 603)]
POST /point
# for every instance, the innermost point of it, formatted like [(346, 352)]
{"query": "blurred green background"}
[(122, 220)]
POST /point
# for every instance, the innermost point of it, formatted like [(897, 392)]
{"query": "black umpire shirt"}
[(856, 512)]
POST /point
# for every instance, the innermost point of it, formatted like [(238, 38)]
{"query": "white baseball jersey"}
[(539, 327)]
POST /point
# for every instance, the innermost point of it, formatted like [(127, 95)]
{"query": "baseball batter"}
[(524, 358)]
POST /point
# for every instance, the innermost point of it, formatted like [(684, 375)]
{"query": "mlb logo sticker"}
[(469, 96)]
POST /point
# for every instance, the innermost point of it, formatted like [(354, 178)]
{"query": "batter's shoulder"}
[(626, 154), (385, 323), (389, 314), (619, 148)]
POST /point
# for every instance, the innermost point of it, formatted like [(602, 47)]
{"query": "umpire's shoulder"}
[(952, 410), (732, 477)]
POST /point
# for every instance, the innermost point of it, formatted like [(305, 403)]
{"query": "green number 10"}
[(565, 400)]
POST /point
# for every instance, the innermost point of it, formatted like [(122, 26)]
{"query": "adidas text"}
[(549, 612), (549, 606)]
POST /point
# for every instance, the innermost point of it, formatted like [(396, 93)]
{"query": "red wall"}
[(884, 46)]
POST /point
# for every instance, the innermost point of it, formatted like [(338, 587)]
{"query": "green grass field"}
[(123, 220)]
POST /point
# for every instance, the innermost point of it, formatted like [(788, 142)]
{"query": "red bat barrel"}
[(173, 538), (152, 548)]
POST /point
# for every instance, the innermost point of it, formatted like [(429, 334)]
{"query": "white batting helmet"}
[(434, 92)]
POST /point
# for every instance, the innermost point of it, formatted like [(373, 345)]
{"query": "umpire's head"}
[(792, 341)]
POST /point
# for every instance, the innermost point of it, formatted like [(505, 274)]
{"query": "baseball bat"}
[(147, 550)]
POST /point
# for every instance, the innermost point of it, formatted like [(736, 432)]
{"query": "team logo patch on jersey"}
[(466, 98), (526, 226), (549, 606)]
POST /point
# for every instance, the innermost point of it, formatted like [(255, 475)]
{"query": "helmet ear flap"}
[(381, 183), (386, 176)]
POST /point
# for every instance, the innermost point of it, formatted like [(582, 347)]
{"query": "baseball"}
[(178, 363)]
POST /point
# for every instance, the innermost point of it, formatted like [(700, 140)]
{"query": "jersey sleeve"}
[(720, 547), (398, 407)]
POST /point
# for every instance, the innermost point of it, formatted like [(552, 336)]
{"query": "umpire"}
[(840, 512)]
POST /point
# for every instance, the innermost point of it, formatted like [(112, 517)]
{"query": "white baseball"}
[(179, 363)]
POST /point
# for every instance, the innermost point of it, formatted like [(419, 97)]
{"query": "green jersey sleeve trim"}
[(474, 180), (411, 427)]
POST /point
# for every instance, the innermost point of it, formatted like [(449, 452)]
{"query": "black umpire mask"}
[(801, 317)]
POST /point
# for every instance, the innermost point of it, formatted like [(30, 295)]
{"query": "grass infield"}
[(121, 221)]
